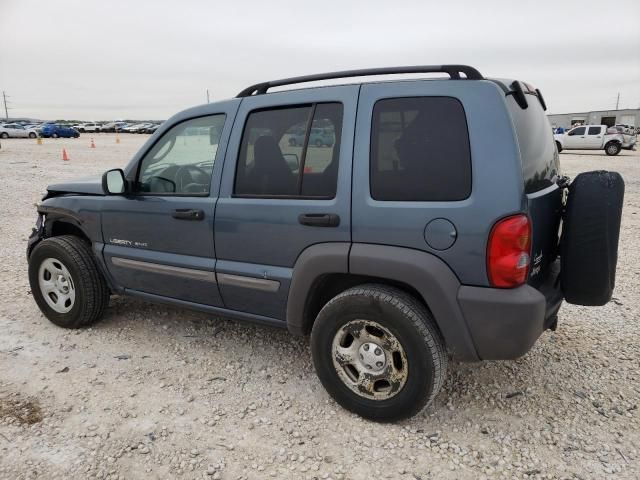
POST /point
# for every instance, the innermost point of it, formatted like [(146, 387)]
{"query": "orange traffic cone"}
[(93, 145), (39, 141), (65, 157)]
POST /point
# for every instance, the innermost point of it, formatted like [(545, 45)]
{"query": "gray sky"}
[(98, 60)]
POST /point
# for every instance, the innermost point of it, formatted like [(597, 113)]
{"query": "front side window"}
[(577, 131), (181, 162), (419, 150), (290, 152)]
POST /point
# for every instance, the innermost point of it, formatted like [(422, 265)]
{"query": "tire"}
[(32, 135), (559, 147), (90, 289), (55, 135), (4, 135), (590, 233), (422, 368), (612, 149)]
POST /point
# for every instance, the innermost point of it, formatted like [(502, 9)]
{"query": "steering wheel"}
[(187, 170)]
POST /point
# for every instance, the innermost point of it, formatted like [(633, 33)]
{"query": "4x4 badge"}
[(128, 243)]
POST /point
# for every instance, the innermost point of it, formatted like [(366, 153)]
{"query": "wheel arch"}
[(325, 270), (59, 221)]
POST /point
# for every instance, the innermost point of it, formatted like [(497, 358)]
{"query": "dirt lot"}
[(155, 392)]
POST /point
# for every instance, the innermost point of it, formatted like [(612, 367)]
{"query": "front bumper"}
[(37, 233), (505, 323)]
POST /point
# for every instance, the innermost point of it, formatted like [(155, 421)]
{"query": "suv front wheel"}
[(66, 283), (378, 353)]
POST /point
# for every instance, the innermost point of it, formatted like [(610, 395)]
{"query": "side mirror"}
[(113, 182)]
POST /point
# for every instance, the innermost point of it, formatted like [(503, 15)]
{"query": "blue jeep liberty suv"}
[(435, 225)]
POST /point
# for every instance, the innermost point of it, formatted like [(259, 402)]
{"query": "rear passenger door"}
[(282, 192), (594, 137)]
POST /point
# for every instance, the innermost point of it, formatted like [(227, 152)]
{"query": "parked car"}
[(398, 250), (89, 127), (628, 136), (594, 137), (151, 128), (319, 137), (55, 130), (15, 130), (113, 127), (135, 128)]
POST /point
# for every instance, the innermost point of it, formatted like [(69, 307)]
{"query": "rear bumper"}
[(505, 323)]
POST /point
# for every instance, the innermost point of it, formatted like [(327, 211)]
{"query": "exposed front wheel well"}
[(58, 228), (329, 285), (558, 146)]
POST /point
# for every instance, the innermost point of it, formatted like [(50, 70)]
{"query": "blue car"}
[(55, 130)]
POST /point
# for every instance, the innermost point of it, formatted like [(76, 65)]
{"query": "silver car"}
[(15, 130)]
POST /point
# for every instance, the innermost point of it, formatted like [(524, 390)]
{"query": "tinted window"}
[(181, 162), (538, 153), (420, 150), (578, 131), (290, 152), (594, 130)]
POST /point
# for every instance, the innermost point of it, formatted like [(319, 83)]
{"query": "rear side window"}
[(419, 150), (594, 130)]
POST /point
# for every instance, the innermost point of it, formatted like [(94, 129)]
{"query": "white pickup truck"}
[(595, 137)]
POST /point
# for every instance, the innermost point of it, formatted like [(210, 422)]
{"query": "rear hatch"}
[(542, 181)]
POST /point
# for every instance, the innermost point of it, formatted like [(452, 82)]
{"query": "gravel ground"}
[(156, 392)]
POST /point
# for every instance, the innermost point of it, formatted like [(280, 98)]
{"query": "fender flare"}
[(314, 262), (424, 272), (431, 278)]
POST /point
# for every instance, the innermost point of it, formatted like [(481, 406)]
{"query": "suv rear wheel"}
[(66, 283), (378, 353)]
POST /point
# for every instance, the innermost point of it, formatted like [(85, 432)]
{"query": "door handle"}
[(188, 214), (319, 219)]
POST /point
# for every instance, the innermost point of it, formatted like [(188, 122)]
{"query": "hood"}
[(84, 186)]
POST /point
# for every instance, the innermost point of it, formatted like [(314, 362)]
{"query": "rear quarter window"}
[(538, 153), (419, 150)]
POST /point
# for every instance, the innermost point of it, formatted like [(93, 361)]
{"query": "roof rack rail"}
[(454, 72)]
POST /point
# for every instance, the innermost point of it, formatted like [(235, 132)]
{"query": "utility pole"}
[(6, 111), (618, 101), (207, 95)]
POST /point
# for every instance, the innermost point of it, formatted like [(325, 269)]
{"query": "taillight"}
[(508, 252)]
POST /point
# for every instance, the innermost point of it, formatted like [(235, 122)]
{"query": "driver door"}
[(158, 239), (575, 138)]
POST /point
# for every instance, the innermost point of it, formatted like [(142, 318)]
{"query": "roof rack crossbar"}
[(454, 72)]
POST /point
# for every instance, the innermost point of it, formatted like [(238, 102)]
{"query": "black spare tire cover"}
[(590, 233)]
